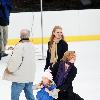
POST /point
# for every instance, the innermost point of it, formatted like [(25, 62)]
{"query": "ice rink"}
[(87, 81)]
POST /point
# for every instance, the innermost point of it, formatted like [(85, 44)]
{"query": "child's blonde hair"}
[(68, 55)]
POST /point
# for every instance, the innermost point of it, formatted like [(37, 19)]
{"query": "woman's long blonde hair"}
[(68, 55), (52, 36)]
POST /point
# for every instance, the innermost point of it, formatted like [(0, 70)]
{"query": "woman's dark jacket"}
[(67, 84), (66, 89), (62, 47)]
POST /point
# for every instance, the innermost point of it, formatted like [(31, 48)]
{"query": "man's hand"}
[(7, 71)]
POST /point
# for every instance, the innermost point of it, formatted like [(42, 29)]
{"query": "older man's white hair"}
[(24, 33)]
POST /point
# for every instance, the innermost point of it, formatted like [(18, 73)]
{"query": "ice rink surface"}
[(87, 81)]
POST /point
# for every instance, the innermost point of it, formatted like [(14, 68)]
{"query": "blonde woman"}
[(65, 75), (56, 48)]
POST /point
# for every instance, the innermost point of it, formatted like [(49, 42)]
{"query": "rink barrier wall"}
[(38, 40)]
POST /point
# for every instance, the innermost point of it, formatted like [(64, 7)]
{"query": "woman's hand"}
[(40, 86), (47, 90)]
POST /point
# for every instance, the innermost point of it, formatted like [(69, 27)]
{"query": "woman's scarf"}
[(54, 55), (61, 74)]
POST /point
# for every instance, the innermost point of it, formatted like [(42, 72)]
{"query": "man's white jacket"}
[(22, 64)]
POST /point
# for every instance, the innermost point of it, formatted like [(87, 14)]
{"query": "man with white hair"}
[(21, 67)]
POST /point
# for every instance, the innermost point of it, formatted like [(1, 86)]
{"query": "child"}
[(47, 87)]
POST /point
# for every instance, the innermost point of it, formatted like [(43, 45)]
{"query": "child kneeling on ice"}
[(47, 87)]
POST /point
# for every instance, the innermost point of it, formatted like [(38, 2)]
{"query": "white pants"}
[(3, 37)]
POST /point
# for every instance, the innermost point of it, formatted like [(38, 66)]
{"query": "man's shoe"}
[(0, 56), (4, 54)]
